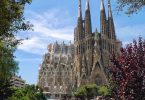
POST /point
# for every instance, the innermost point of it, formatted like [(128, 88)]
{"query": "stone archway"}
[(98, 75), (98, 79), (83, 80)]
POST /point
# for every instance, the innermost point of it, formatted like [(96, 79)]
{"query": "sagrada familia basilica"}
[(66, 67)]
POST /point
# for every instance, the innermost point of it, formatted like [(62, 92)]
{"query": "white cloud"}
[(48, 27), (33, 45), (56, 25), (130, 32)]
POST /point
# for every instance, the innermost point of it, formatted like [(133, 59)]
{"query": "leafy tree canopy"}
[(128, 72), (132, 6), (91, 90), (86, 91), (8, 66), (11, 21), (5, 89), (103, 91), (30, 92)]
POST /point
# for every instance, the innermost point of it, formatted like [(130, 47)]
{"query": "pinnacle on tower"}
[(79, 29), (102, 18), (111, 22), (88, 25), (87, 5), (109, 9), (102, 5), (80, 9)]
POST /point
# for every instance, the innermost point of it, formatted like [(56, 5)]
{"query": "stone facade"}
[(86, 61), (93, 49), (56, 71)]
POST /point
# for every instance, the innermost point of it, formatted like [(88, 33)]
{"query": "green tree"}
[(11, 21), (131, 6), (86, 91), (91, 90), (128, 72), (103, 91), (5, 89), (30, 92), (8, 66)]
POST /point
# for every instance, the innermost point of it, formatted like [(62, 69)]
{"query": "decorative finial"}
[(109, 9), (79, 3), (102, 5), (80, 9), (87, 4), (108, 2)]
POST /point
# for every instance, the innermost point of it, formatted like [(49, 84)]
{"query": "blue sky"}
[(55, 20)]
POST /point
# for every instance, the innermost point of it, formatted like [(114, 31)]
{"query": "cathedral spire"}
[(87, 5), (103, 18), (109, 9), (79, 31), (111, 22), (88, 25), (102, 5), (80, 10)]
